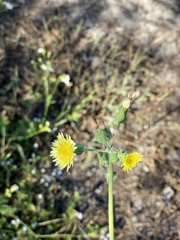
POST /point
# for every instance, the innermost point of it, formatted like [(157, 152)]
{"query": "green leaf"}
[(6, 210), (105, 158), (103, 136)]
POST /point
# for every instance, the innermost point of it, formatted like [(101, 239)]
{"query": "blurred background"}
[(64, 67)]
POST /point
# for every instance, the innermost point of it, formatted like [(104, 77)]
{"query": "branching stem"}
[(110, 202)]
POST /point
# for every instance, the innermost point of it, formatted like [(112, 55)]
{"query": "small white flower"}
[(9, 161), (36, 145), (14, 188), (46, 184), (30, 160), (33, 171), (40, 196), (45, 67), (8, 5), (14, 166), (42, 180), (54, 129), (59, 172), (65, 78), (17, 220), (53, 174), (79, 215), (24, 229), (43, 170), (103, 231), (47, 178), (36, 119), (13, 222), (40, 50)]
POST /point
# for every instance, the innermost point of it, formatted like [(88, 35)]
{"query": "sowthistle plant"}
[(64, 149)]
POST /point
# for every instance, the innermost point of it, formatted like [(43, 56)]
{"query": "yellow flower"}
[(63, 151), (130, 161)]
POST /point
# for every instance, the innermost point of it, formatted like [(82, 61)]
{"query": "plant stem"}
[(100, 150), (29, 135), (47, 99), (110, 203), (3, 133)]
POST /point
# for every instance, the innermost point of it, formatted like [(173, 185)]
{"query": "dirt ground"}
[(147, 201)]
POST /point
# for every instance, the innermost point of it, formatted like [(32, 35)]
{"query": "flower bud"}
[(126, 103), (79, 148)]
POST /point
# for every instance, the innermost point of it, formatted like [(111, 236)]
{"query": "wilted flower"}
[(126, 103), (130, 161), (63, 151)]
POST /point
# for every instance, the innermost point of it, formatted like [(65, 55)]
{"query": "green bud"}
[(113, 157), (79, 148), (103, 136), (39, 59), (121, 115)]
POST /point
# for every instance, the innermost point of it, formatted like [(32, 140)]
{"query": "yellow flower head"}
[(130, 161), (63, 151)]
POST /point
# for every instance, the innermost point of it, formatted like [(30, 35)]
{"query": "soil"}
[(147, 200)]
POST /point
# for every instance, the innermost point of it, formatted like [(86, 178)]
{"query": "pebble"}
[(168, 192)]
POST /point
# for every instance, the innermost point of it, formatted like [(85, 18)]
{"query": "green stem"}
[(65, 236), (47, 99), (101, 150), (94, 150), (29, 135), (110, 202), (3, 132)]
